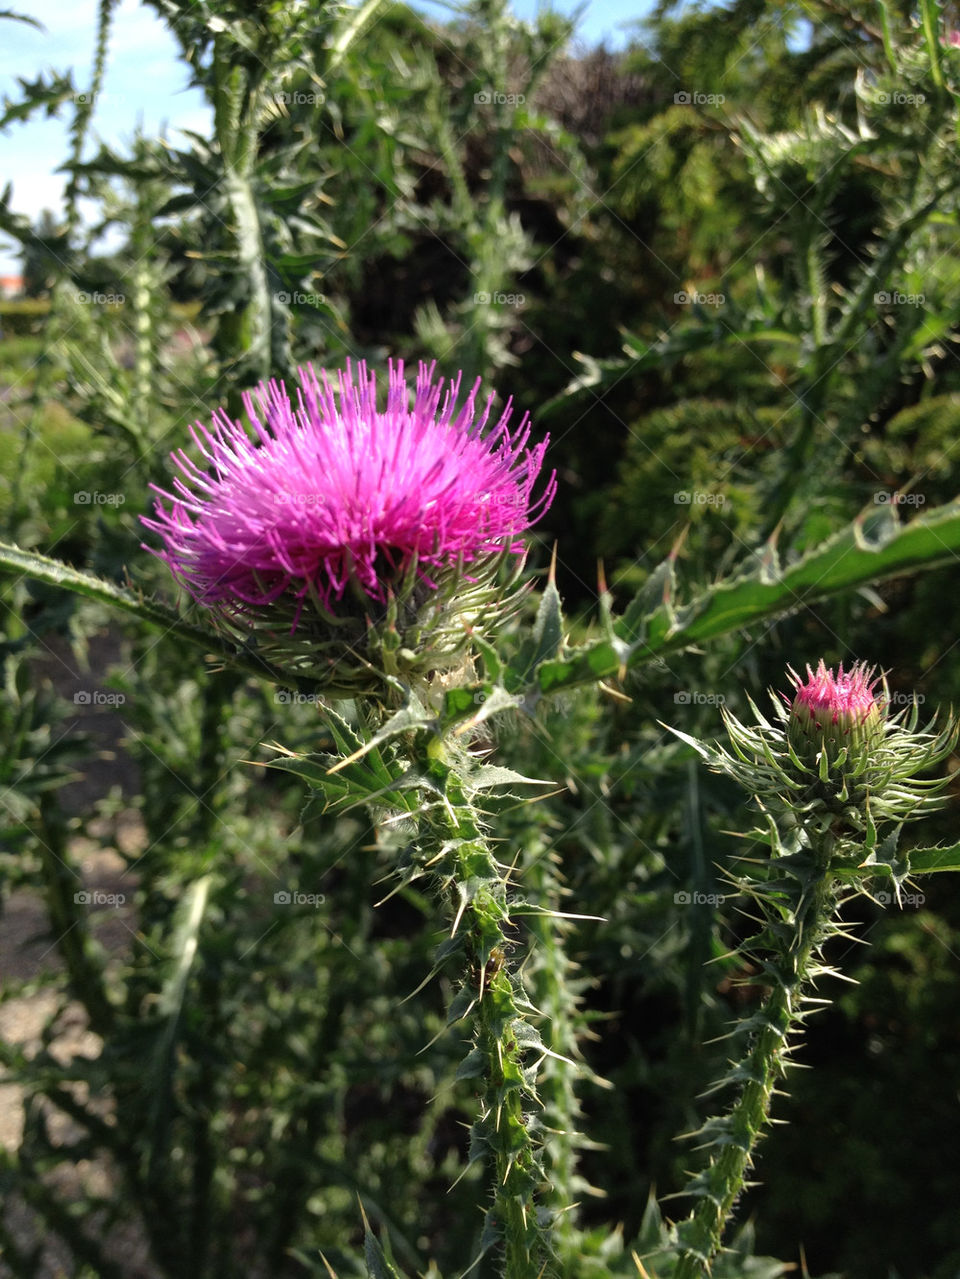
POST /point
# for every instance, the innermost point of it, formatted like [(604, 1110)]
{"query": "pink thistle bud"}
[(834, 710)]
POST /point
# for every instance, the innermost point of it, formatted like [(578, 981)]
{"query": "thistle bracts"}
[(834, 776), (811, 777)]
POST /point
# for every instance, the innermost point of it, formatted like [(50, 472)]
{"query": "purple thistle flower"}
[(333, 491), (838, 709)]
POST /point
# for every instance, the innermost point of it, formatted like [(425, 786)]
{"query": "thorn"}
[(456, 922), (426, 981), (615, 692), (679, 542), (602, 588), (552, 576), (641, 1269), (366, 1223)]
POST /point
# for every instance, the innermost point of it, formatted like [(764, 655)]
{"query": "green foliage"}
[(487, 1054)]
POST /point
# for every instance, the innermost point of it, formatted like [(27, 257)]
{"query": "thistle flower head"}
[(834, 773), (834, 710), (336, 514)]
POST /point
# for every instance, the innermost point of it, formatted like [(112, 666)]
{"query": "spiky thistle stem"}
[(475, 887), (827, 777), (791, 970)]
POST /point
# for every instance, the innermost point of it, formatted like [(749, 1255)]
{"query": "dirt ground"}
[(28, 954)]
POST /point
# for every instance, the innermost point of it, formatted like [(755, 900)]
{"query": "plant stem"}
[(471, 877), (738, 1133), (554, 990)]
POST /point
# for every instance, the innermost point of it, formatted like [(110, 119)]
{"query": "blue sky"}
[(147, 82)]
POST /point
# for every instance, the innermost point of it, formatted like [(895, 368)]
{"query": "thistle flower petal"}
[(331, 493), (834, 709)]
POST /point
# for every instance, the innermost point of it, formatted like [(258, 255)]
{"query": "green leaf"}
[(378, 1266), (482, 705), (925, 861), (358, 784), (473, 1065), (170, 1005), (56, 573), (545, 642), (408, 718), (875, 546), (487, 776)]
